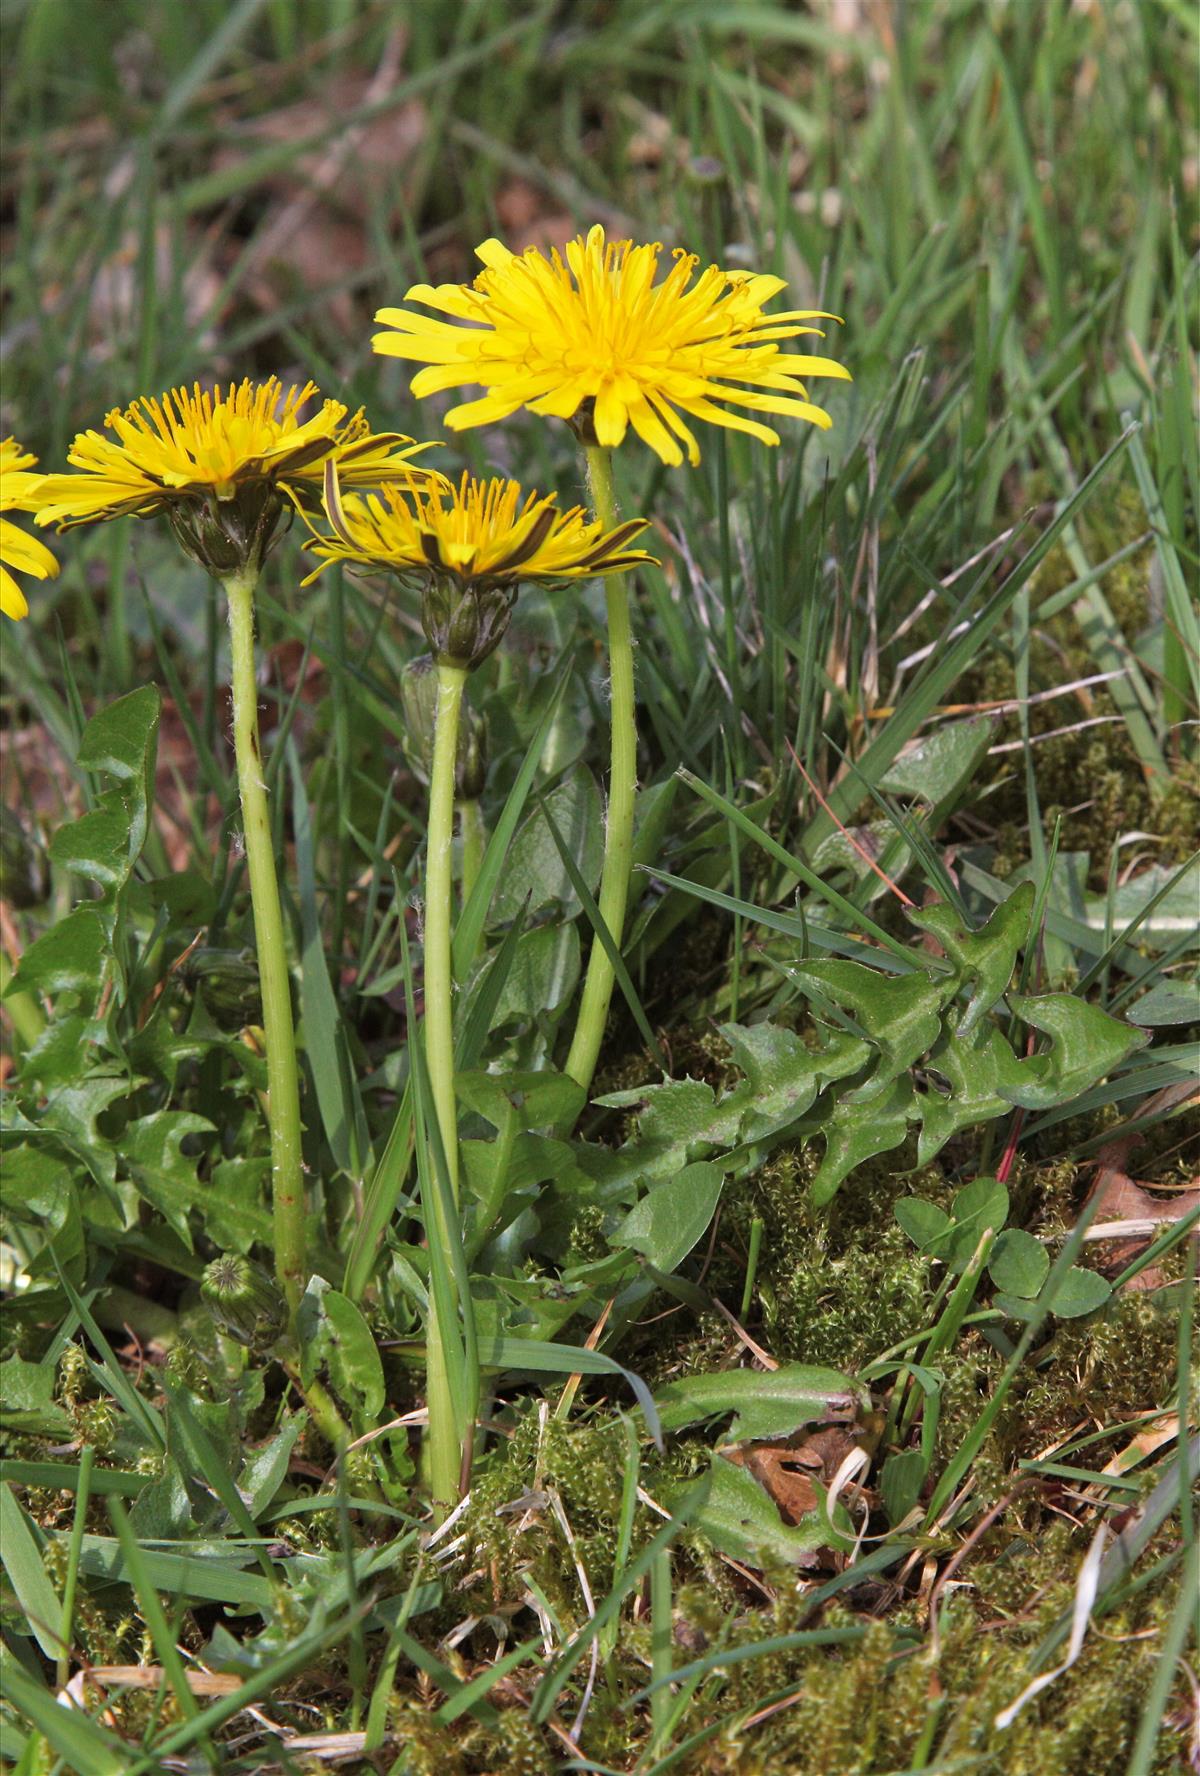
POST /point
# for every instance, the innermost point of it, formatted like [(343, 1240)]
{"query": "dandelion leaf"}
[(1087, 1045), (984, 958), (900, 1014), (685, 1120), (974, 1069), (856, 1132)]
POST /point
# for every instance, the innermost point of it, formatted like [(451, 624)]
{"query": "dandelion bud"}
[(228, 982), (471, 766), (244, 1301), (583, 422), (418, 701), (464, 623), (228, 536)]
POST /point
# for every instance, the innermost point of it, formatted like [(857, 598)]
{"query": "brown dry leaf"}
[(1122, 1198), (787, 1471), (785, 1475), (1127, 1206)]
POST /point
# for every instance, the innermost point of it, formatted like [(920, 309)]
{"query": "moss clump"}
[(969, 1376), (1177, 816), (1116, 1365), (838, 1286), (429, 1748), (880, 1704), (520, 1748), (843, 1309), (583, 1463)]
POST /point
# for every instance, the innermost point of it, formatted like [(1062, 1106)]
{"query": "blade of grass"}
[(28, 1576), (798, 927), (948, 662), (469, 928), (83, 1498), (86, 1748), (325, 1045), (301, 1655), (605, 937), (855, 915), (548, 1690), (157, 1626), (959, 1465)]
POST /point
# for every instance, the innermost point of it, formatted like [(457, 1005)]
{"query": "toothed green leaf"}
[(1088, 1044), (166, 1176), (973, 1070), (684, 1120), (857, 1132), (985, 958), (900, 1014)]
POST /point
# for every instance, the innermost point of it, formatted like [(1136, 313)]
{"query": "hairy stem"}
[(444, 1452), (283, 1084), (622, 786)]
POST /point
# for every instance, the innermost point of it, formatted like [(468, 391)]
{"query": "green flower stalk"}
[(596, 337), (270, 941), (468, 550), (222, 469), (419, 698), (622, 794)]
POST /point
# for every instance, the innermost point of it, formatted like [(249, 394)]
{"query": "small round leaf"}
[(1019, 1263)]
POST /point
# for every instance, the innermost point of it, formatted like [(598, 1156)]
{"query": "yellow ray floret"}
[(599, 330), (475, 532), (196, 442), (19, 492)]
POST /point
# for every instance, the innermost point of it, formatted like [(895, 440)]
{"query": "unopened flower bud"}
[(228, 536), (470, 769), (465, 623), (227, 981), (583, 423), (244, 1300)]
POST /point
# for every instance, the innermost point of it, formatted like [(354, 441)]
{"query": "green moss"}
[(1177, 817), (1115, 1366), (842, 1309), (872, 1707)]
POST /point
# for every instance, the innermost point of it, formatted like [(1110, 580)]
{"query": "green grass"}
[(868, 629)]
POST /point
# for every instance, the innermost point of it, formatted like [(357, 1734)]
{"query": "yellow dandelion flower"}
[(19, 492), (196, 443), (479, 530), (470, 546), (598, 341)]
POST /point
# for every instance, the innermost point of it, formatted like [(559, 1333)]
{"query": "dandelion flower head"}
[(480, 531), (600, 340), (196, 443), (19, 492)]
